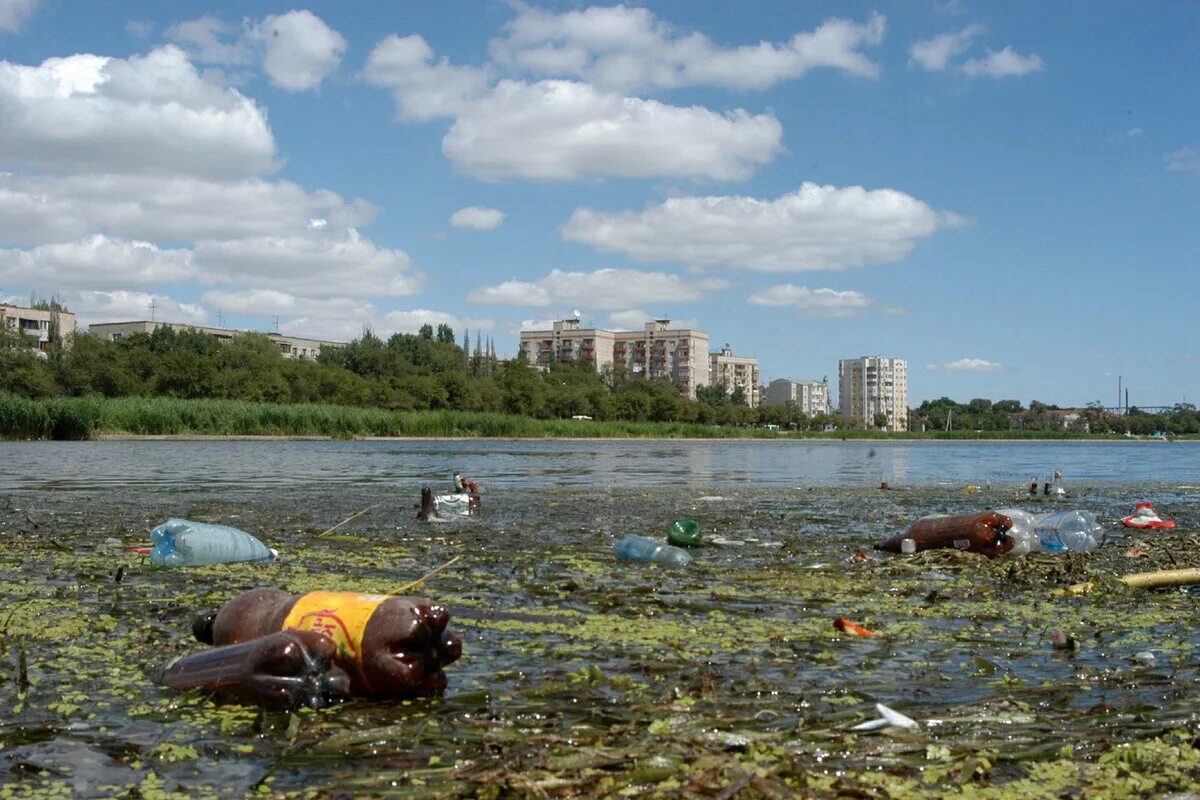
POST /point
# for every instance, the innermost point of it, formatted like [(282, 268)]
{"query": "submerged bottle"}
[(640, 548), (389, 646), (183, 543), (1069, 530), (684, 533), (283, 671)]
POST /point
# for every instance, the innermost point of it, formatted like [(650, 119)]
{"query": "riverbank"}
[(83, 418)]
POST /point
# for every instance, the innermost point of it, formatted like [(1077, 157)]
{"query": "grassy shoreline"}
[(85, 418)]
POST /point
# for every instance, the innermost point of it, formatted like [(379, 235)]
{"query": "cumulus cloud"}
[(341, 328), (13, 13), (603, 289), (935, 53), (812, 302), (966, 365), (423, 89), (141, 28), (212, 41), (122, 306), (299, 49), (621, 49), (477, 218), (96, 262), (815, 227), (144, 114), (563, 130), (1185, 159), (1003, 64)]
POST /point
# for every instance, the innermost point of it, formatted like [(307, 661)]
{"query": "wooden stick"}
[(424, 577), (1142, 580), (343, 522)]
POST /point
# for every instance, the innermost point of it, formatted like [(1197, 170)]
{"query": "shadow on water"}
[(582, 675)]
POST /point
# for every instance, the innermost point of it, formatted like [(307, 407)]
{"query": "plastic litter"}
[(888, 718), (984, 533), (1145, 517), (1023, 531), (183, 543), (648, 551), (1069, 530), (454, 503), (283, 671), (846, 626), (684, 533)]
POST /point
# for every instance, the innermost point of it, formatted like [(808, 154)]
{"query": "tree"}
[(426, 331), (445, 334), (880, 419)]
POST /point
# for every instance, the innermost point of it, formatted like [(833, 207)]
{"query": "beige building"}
[(290, 346), (39, 325), (732, 371), (872, 384), (679, 355), (810, 397)]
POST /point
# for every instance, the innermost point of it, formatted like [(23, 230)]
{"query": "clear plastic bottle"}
[(1069, 530), (640, 548), (183, 543), (1023, 531)]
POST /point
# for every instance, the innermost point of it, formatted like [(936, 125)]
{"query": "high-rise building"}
[(658, 351), (735, 372), (873, 384), (810, 397)]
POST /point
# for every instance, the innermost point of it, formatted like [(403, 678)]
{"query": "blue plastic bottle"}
[(1069, 530), (183, 543), (640, 548)]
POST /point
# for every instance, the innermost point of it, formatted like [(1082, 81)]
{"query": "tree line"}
[(984, 415)]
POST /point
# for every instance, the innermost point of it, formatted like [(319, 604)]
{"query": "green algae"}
[(585, 676)]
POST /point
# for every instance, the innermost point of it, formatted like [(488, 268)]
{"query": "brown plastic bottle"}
[(984, 532), (285, 670), (389, 646)]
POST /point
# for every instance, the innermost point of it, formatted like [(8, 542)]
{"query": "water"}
[(256, 465), (576, 666)]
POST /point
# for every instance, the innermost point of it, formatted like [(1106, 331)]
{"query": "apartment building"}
[(734, 372), (810, 397), (872, 384), (39, 325), (658, 351), (289, 346)]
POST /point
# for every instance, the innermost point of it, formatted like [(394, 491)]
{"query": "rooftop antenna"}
[(152, 308), (276, 320), (220, 319)]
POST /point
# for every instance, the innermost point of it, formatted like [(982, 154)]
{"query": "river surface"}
[(585, 676)]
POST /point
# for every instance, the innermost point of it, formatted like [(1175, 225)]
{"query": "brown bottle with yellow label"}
[(390, 646), (985, 532)]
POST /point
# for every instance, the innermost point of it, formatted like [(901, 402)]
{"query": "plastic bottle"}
[(640, 548), (390, 646), (985, 532), (183, 543), (1069, 530), (283, 671), (684, 533), (1023, 531)]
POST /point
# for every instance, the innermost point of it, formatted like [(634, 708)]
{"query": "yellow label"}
[(342, 616)]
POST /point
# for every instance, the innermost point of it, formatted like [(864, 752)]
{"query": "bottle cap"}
[(908, 546)]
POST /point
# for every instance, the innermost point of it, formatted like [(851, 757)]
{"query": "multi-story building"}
[(41, 326), (871, 384), (658, 351), (290, 346), (810, 397), (734, 372)]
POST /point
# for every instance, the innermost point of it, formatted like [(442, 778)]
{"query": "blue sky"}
[(1005, 195)]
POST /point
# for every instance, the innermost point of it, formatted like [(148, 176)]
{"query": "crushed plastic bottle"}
[(1069, 530), (648, 551), (183, 543)]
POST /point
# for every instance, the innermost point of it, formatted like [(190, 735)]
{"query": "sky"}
[(1004, 195)]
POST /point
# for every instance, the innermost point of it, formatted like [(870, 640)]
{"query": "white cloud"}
[(212, 41), (37, 209), (815, 227), (1003, 64), (96, 262), (562, 130), (935, 53), (272, 302), (631, 320), (477, 218), (620, 49), (342, 328), (13, 13), (141, 28), (145, 114), (602, 289), (966, 365), (319, 263), (122, 306), (423, 90), (1185, 159), (812, 302), (299, 49)]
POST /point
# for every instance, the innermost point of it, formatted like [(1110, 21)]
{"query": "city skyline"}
[(1006, 205)]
